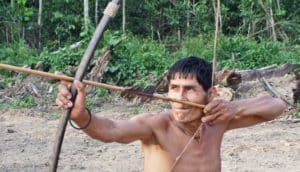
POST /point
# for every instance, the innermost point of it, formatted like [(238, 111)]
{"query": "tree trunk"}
[(188, 15), (6, 34), (96, 12), (278, 4), (40, 22), (274, 36), (86, 14), (123, 16), (217, 17), (269, 19), (12, 3), (179, 36)]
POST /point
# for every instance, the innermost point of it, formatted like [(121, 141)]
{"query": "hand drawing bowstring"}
[(109, 13)]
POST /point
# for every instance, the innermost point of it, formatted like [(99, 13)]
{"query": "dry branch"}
[(270, 89), (96, 74)]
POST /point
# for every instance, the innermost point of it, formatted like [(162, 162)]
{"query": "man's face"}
[(190, 90)]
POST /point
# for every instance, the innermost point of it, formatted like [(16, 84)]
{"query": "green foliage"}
[(20, 102), (90, 102), (62, 58), (241, 52), (63, 25), (201, 46), (7, 81), (297, 111), (100, 92), (137, 61), (297, 114), (66, 56), (25, 102), (244, 53), (18, 53)]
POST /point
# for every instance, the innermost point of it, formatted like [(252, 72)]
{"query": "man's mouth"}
[(181, 109)]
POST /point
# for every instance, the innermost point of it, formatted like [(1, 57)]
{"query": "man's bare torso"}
[(201, 155)]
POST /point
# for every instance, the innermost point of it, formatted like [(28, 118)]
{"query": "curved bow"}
[(109, 12)]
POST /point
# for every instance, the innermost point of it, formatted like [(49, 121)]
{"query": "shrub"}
[(241, 52), (137, 62)]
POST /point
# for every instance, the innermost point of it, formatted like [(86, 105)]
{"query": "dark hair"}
[(194, 66)]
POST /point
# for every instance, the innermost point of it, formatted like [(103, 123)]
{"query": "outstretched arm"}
[(106, 130), (243, 113), (256, 110)]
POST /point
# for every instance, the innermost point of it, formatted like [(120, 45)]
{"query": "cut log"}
[(269, 71), (235, 77), (296, 91)]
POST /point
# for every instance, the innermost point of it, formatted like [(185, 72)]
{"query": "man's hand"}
[(219, 110), (63, 99)]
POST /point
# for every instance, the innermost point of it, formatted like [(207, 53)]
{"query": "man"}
[(165, 135)]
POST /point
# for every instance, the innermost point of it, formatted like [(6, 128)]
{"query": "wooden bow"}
[(109, 13)]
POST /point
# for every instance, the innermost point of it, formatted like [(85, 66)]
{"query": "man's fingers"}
[(67, 102), (79, 86), (209, 118), (211, 106), (81, 94), (66, 83), (61, 104), (217, 107), (64, 91)]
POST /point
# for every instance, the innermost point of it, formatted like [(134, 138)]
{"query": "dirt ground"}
[(27, 137)]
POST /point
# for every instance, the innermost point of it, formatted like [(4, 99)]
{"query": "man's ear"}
[(212, 93)]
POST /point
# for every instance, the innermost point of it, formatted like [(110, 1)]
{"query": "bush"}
[(241, 52), (137, 62), (59, 60), (20, 102), (18, 53)]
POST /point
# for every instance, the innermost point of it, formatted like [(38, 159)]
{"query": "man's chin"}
[(181, 116), (184, 115)]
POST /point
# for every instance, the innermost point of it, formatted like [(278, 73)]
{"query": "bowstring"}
[(199, 129)]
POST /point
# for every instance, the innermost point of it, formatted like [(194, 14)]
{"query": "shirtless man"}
[(164, 135)]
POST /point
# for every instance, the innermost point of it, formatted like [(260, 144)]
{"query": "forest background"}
[(147, 36)]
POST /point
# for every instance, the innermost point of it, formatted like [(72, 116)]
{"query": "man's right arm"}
[(106, 130), (121, 131)]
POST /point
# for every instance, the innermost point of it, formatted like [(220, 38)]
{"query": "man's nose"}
[(181, 94)]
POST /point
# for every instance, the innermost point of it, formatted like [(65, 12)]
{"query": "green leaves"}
[(239, 52), (136, 61)]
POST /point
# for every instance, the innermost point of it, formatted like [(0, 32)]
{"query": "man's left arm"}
[(244, 113)]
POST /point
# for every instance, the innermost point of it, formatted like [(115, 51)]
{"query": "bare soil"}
[(27, 137)]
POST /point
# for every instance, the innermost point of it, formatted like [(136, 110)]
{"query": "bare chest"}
[(175, 153)]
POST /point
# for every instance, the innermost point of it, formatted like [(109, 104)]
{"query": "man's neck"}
[(188, 128)]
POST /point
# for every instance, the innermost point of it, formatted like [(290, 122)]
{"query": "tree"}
[(123, 15), (86, 14), (40, 21)]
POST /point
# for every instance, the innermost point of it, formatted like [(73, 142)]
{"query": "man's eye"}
[(189, 88), (173, 87)]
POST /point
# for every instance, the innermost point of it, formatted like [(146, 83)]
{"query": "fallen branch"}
[(270, 89), (97, 84)]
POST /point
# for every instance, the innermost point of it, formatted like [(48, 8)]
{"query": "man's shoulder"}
[(155, 120)]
